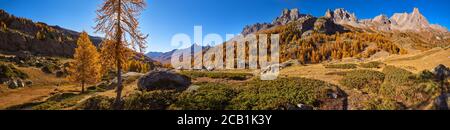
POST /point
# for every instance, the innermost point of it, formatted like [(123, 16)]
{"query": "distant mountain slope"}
[(162, 57), (339, 34), (165, 57), (21, 34)]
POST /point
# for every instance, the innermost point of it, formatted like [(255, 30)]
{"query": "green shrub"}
[(9, 71), (425, 75), (373, 64), (208, 96), (382, 104), (340, 66), (217, 75), (408, 88), (62, 96), (275, 94), (97, 103), (398, 76), (49, 68), (366, 80), (153, 100), (59, 102)]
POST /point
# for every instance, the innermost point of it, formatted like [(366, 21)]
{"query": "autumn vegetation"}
[(320, 47)]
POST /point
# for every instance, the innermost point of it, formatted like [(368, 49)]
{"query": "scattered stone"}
[(299, 106), (210, 68), (12, 84), (20, 83), (304, 107)]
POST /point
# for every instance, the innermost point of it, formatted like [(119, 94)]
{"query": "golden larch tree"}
[(117, 19), (86, 67)]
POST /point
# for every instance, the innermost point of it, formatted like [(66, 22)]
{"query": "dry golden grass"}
[(421, 61)]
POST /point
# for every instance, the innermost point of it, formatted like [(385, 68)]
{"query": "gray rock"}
[(20, 83), (304, 107), (210, 68), (12, 84), (163, 80), (299, 106)]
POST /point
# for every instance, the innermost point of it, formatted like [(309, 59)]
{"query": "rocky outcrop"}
[(341, 16), (163, 80), (249, 29), (288, 16), (327, 26)]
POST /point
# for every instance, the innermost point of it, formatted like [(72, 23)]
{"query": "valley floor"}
[(46, 85)]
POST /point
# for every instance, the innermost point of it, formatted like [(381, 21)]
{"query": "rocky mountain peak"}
[(381, 19), (416, 11), (287, 16), (414, 21), (341, 15)]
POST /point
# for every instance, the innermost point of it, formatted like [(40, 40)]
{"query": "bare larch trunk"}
[(118, 99)]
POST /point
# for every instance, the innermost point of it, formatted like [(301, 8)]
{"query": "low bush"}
[(97, 103), (365, 80), (340, 66), (62, 96), (209, 96), (276, 94), (408, 88), (49, 68), (382, 104), (373, 64), (398, 76), (152, 100), (59, 102), (9, 72)]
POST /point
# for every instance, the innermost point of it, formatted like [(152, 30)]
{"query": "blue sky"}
[(164, 18)]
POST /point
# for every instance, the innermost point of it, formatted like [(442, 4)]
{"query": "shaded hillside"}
[(21, 34)]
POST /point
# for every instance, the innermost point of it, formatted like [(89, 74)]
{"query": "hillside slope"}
[(21, 34)]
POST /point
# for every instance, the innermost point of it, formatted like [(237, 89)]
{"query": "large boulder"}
[(163, 80)]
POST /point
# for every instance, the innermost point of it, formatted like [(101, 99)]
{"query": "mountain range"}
[(412, 28)]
